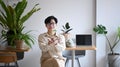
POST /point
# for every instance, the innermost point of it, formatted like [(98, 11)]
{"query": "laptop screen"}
[(83, 39)]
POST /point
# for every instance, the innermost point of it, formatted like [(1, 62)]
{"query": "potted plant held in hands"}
[(12, 21), (113, 57), (66, 29)]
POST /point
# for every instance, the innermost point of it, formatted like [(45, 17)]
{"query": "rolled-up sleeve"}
[(43, 44), (61, 45)]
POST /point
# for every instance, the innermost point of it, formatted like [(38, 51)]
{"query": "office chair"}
[(7, 58), (68, 55)]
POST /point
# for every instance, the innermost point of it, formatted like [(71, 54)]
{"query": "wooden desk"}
[(12, 49), (79, 48)]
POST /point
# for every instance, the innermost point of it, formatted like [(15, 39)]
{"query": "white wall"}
[(81, 15), (108, 14), (78, 13)]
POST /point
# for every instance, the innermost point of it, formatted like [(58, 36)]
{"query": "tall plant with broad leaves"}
[(100, 29), (12, 20)]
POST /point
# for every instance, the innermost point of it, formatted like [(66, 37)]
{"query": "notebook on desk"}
[(83, 40)]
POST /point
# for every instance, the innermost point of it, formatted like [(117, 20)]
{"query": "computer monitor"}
[(84, 40)]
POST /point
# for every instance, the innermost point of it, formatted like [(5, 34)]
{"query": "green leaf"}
[(4, 6), (3, 15), (28, 15), (2, 21), (119, 32), (19, 9), (100, 29), (66, 28), (67, 25)]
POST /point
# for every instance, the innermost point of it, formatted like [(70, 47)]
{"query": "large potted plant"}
[(12, 21), (113, 57)]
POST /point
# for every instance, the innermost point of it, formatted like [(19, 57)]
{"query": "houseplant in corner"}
[(66, 29), (113, 57), (12, 21)]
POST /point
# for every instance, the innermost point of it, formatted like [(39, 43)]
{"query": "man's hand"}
[(53, 41)]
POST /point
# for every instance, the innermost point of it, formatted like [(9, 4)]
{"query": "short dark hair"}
[(48, 19)]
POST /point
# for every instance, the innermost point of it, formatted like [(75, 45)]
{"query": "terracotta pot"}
[(19, 44)]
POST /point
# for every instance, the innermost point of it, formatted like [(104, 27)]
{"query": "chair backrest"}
[(78, 53), (8, 57)]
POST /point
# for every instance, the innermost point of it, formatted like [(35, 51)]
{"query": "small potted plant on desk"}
[(12, 21), (66, 29), (113, 57)]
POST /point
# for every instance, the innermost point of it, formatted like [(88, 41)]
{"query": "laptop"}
[(83, 40)]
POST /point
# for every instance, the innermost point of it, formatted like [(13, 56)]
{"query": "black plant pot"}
[(20, 55), (9, 39)]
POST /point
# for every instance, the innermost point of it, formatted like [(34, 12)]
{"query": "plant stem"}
[(115, 44), (109, 44)]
